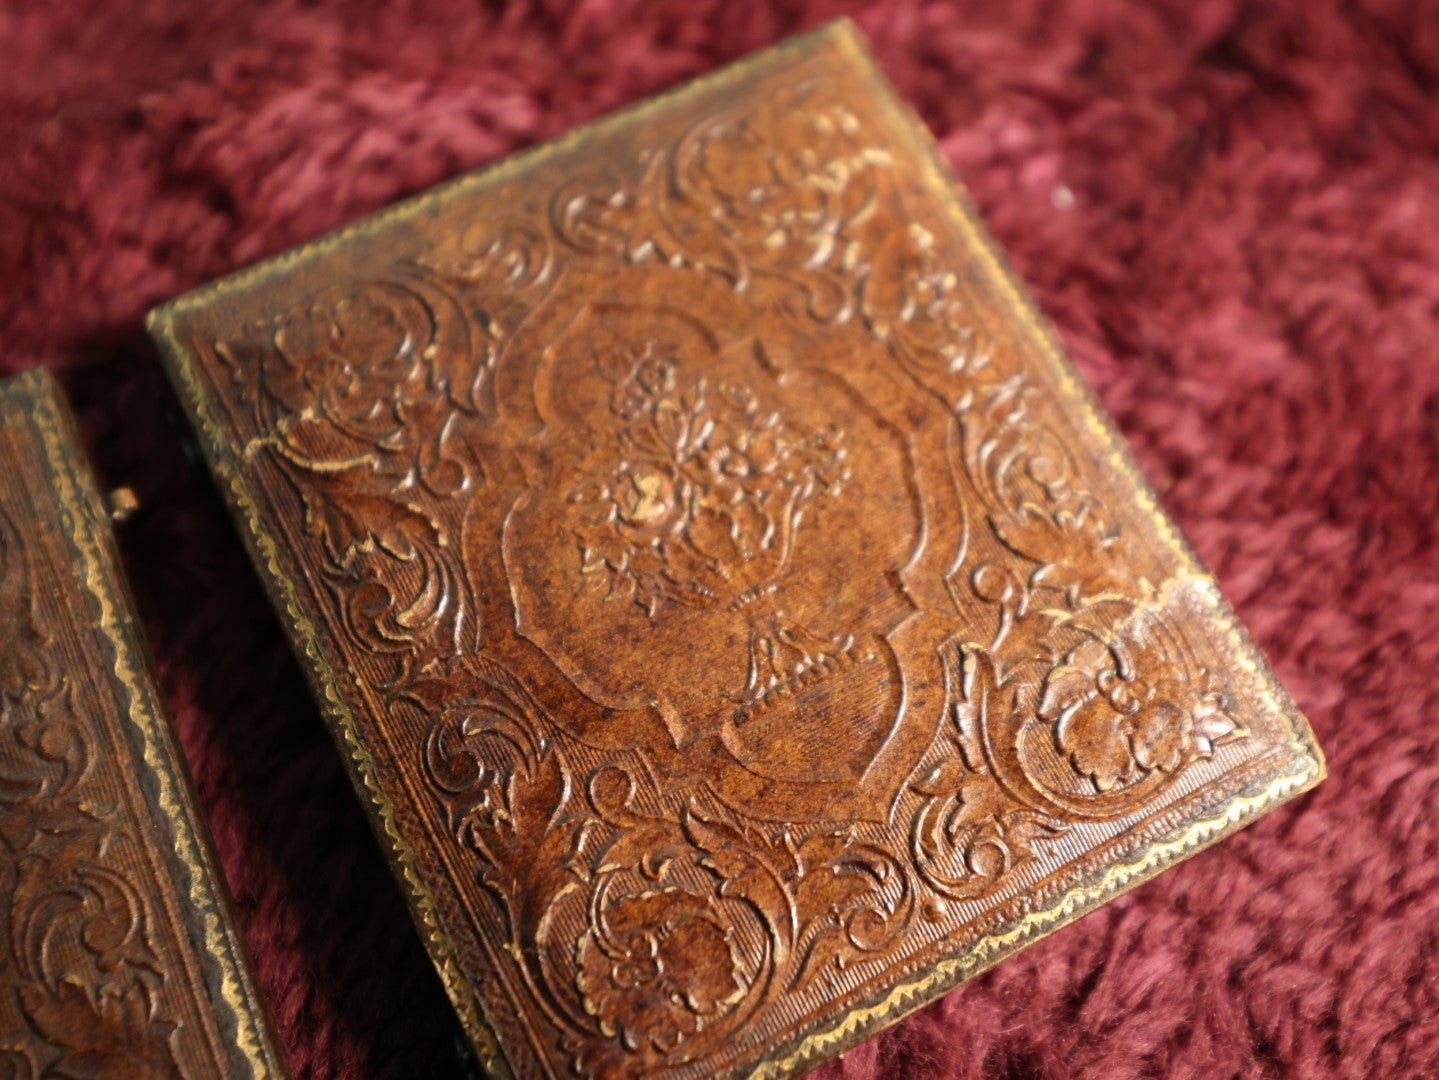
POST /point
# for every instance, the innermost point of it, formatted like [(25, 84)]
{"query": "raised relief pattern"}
[(86, 991), (706, 492), (757, 604), (116, 953)]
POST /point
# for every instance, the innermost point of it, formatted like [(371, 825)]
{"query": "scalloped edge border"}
[(818, 1041), (86, 528)]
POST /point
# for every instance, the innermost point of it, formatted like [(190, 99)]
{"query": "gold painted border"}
[(952, 196), (1080, 900), (86, 526), (379, 806), (1306, 768)]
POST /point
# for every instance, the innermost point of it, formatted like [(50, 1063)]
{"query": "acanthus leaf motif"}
[(85, 973), (1123, 709), (122, 1037), (749, 869), (355, 509), (968, 834), (606, 880)]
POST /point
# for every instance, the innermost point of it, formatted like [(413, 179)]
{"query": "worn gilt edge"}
[(161, 324), (991, 948), (380, 807), (951, 194), (1309, 767), (84, 525)]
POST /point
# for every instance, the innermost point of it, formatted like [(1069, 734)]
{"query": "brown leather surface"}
[(118, 955), (739, 621)]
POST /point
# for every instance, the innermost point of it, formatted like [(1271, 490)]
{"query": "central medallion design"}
[(716, 523), (701, 507)]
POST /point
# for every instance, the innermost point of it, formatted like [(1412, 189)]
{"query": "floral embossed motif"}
[(655, 967), (360, 391), (808, 613), (705, 497), (700, 498), (88, 984), (354, 362), (1122, 711), (677, 926)]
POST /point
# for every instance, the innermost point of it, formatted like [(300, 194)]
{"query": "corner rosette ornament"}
[(655, 968), (1123, 712), (346, 360), (370, 373), (793, 172)]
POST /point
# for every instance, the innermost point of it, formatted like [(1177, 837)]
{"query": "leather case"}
[(739, 620), (119, 955)]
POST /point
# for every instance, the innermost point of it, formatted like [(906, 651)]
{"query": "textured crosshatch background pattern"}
[(119, 955), (731, 377), (1222, 210)]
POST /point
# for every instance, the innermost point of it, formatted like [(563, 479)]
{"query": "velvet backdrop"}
[(1231, 210)]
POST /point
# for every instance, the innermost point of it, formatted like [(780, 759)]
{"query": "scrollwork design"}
[(47, 755), (90, 977), (618, 950), (1095, 727), (967, 835), (734, 197), (360, 393), (86, 977), (648, 935), (1086, 675), (650, 923), (920, 308), (1122, 718), (722, 199), (1087, 726), (1025, 475), (359, 421)]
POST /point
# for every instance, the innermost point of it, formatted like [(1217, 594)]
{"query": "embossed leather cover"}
[(739, 620), (118, 954)]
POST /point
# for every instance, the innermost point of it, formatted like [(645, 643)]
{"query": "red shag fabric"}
[(1230, 209)]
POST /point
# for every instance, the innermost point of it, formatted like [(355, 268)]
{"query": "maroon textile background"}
[(1231, 210)]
